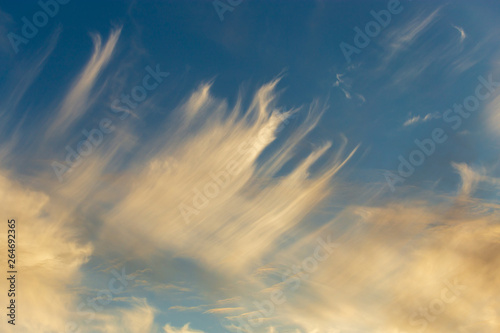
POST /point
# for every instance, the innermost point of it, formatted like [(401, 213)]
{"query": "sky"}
[(251, 166)]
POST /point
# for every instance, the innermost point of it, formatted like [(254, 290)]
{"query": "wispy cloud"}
[(185, 329), (492, 119), (345, 86), (400, 38), (413, 120), (78, 98), (224, 310), (240, 208), (461, 31), (187, 308), (169, 286), (472, 177)]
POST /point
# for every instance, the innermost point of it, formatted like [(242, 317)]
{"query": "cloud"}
[(224, 310), (394, 261), (493, 117), (138, 316), (187, 308), (400, 38), (339, 80), (397, 259), (204, 152), (240, 206), (49, 255), (78, 100), (185, 329), (417, 119), (7, 23), (169, 286), (471, 178), (345, 86), (23, 79), (346, 93), (462, 33)]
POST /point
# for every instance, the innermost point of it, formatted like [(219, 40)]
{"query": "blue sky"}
[(206, 148)]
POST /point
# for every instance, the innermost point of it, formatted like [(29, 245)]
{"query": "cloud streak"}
[(78, 98)]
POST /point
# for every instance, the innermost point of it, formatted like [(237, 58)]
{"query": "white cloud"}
[(472, 177), (185, 329), (49, 257), (137, 317), (203, 154), (78, 98), (345, 86), (461, 31), (417, 119), (399, 38)]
